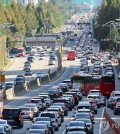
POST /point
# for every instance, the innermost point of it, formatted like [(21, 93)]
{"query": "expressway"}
[(37, 66), (71, 67)]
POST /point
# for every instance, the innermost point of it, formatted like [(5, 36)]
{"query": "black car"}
[(30, 58), (19, 81), (13, 116)]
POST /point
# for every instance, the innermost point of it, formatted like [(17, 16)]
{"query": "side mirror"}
[(73, 116)]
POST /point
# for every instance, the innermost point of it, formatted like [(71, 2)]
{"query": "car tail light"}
[(29, 112), (90, 126), (94, 105), (47, 132), (19, 117), (64, 108)]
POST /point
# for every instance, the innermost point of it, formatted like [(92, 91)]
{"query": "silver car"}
[(4, 125), (33, 107), (26, 113)]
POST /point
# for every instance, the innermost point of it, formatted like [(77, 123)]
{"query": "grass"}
[(8, 63)]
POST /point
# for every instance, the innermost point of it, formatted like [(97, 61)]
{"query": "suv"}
[(13, 116)]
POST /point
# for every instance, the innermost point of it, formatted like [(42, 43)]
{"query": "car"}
[(13, 116), (84, 110), (54, 118), (40, 75), (64, 87), (89, 124), (69, 83), (39, 127), (77, 128), (84, 104), (79, 94), (19, 81), (64, 108), (102, 101), (51, 62), (93, 103), (96, 97), (119, 76), (48, 123), (38, 103), (9, 85), (3, 130), (30, 58), (76, 99), (53, 92), (117, 109), (57, 109), (26, 113), (33, 107), (114, 102), (27, 63), (48, 102), (26, 66), (28, 73), (41, 57), (83, 115), (109, 102), (8, 128)]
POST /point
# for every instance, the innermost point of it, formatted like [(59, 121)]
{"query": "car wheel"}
[(21, 125), (31, 118), (98, 105), (57, 129), (95, 111)]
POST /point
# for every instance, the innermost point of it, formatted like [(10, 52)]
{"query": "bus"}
[(71, 54), (87, 82), (1, 104), (21, 52), (107, 85)]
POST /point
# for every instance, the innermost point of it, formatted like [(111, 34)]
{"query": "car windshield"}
[(81, 115), (25, 109), (43, 119), (2, 122), (40, 126), (29, 105), (10, 112), (76, 129), (81, 107), (48, 115), (35, 131), (59, 104), (76, 124), (85, 120)]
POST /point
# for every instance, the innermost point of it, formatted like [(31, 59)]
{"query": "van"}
[(13, 116), (71, 55)]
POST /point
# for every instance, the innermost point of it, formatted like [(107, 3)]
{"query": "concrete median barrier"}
[(10, 94), (33, 84)]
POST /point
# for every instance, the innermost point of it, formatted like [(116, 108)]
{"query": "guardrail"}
[(31, 85)]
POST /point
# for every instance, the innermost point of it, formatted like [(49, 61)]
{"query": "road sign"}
[(2, 78)]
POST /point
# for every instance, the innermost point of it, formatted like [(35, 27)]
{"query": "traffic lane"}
[(20, 101), (17, 68), (32, 94)]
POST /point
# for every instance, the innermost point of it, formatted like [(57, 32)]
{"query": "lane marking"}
[(100, 132)]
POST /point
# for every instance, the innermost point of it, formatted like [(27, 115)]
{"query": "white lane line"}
[(18, 98), (100, 132)]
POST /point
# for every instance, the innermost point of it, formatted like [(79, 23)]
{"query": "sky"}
[(95, 3)]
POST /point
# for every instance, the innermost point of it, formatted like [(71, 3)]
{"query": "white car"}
[(4, 123), (40, 75), (41, 57), (51, 62)]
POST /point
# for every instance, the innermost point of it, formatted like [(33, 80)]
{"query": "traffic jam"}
[(83, 94)]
